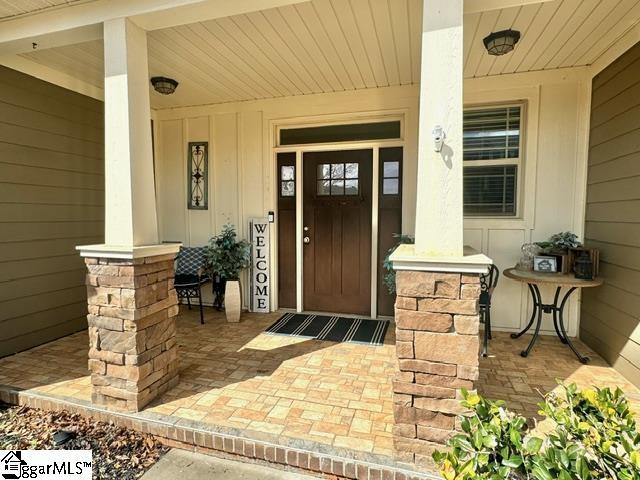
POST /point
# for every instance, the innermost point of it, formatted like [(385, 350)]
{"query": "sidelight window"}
[(391, 178), (287, 181)]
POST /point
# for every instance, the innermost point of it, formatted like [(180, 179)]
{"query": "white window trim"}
[(518, 162), (502, 91), (347, 121)]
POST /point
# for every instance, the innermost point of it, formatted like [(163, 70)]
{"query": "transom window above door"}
[(337, 133), (337, 179)]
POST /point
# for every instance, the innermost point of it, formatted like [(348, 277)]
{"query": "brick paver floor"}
[(235, 376), (521, 382)]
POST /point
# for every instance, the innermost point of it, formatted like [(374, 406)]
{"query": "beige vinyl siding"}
[(610, 321), (51, 199)]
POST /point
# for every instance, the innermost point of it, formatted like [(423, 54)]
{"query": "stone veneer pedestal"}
[(132, 330), (437, 345)]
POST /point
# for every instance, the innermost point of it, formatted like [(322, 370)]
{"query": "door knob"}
[(306, 240)]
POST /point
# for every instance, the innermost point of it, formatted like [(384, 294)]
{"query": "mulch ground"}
[(118, 453)]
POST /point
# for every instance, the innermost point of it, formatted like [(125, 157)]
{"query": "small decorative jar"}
[(583, 266), (529, 250)]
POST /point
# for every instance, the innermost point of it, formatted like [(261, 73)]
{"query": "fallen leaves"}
[(118, 453)]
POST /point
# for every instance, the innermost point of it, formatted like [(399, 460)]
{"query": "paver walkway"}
[(339, 396)]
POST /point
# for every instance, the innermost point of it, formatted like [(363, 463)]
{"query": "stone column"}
[(132, 330), (131, 299), (437, 347)]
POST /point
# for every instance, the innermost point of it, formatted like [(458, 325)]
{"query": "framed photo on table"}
[(545, 264)]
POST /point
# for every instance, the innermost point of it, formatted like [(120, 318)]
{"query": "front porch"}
[(285, 399)]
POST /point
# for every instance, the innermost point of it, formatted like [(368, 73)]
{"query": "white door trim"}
[(300, 150)]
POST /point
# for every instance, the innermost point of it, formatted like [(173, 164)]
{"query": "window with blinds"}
[(492, 160)]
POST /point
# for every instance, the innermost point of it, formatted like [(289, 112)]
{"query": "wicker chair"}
[(191, 274)]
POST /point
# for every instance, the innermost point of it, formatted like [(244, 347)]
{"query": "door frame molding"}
[(299, 150)]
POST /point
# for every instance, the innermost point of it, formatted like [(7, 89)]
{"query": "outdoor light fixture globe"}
[(164, 85), (499, 43)]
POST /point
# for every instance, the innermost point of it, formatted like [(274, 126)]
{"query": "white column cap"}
[(406, 258)]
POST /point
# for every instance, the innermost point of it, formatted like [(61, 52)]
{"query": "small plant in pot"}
[(227, 256), (559, 243), (390, 276)]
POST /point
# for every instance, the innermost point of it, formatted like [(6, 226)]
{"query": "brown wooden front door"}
[(337, 231)]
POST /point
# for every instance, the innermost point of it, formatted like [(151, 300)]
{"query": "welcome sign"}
[(260, 287)]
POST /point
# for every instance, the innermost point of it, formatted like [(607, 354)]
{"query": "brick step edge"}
[(214, 442)]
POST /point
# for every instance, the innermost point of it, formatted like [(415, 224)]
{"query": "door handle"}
[(306, 240)]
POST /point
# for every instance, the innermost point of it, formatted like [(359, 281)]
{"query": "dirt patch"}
[(118, 453)]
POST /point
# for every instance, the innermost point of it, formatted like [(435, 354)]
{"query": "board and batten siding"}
[(242, 169), (611, 314), (51, 199)]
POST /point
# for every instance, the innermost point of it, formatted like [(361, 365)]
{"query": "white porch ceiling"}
[(15, 8), (335, 45)]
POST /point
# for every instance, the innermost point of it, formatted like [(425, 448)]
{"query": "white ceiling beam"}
[(476, 6), (205, 10), (51, 75), (52, 40), (82, 22)]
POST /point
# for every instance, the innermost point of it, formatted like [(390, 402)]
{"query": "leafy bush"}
[(226, 255), (594, 438), (390, 276), (559, 242)]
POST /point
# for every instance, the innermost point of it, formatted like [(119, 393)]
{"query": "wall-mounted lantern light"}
[(164, 85), (499, 43)]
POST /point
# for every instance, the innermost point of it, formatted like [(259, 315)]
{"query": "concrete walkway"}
[(184, 465)]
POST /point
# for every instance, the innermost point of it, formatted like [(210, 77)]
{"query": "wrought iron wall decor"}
[(198, 176)]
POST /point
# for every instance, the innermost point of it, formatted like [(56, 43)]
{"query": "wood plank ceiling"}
[(335, 45), (15, 8)]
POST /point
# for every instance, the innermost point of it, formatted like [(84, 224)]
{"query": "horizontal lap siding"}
[(610, 315), (51, 199)]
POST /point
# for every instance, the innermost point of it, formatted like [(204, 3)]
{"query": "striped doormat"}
[(335, 329)]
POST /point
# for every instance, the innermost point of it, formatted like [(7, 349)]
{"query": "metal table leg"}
[(558, 319), (533, 314), (537, 310), (560, 310), (555, 317)]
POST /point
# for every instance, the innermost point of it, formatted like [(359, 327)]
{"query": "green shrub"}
[(227, 256), (594, 438), (390, 276)]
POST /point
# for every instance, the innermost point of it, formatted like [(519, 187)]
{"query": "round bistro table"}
[(558, 280)]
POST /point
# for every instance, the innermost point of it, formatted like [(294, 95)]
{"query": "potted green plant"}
[(560, 245), (227, 256), (390, 276)]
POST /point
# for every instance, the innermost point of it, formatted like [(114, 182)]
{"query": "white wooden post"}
[(439, 213), (130, 277), (437, 285), (130, 207)]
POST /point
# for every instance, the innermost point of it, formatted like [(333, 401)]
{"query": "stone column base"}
[(133, 354), (437, 345)]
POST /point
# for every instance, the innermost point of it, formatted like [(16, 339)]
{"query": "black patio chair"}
[(488, 283), (191, 274)]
